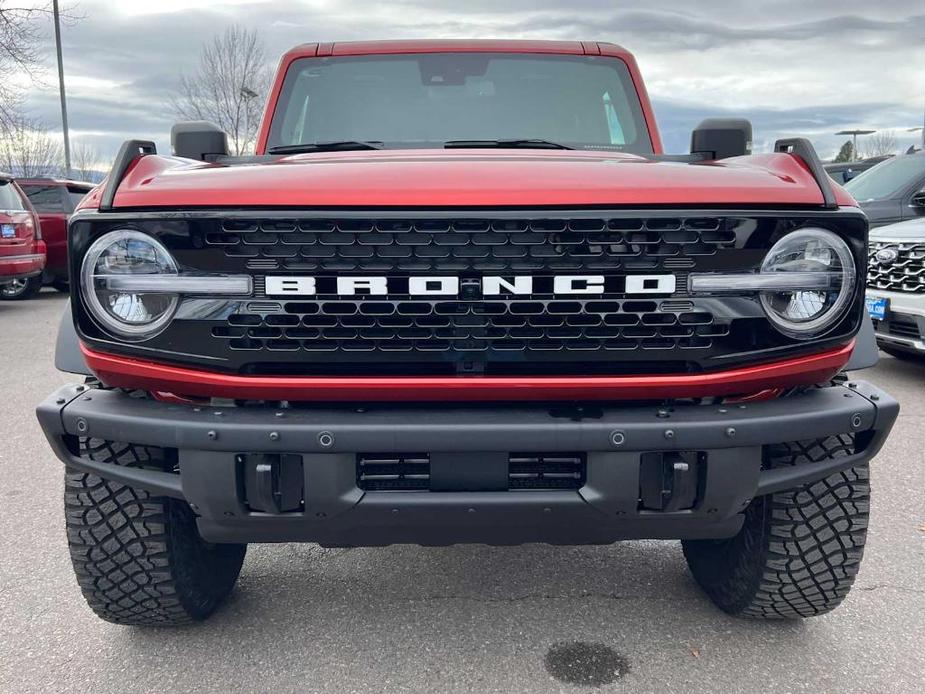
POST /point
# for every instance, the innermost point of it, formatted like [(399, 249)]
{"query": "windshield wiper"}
[(523, 143), (344, 146)]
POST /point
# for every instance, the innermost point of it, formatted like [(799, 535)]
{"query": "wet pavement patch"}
[(589, 664)]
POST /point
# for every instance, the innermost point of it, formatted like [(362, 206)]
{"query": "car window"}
[(887, 179), (425, 100), (45, 198), (76, 195), (9, 197)]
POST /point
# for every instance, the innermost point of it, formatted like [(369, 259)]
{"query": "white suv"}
[(896, 287)]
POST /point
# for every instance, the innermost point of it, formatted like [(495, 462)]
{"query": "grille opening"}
[(546, 471), (393, 471), (900, 326), (411, 471)]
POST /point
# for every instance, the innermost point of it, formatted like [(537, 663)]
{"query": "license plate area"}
[(877, 307)]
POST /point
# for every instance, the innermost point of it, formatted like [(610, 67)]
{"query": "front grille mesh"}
[(419, 245), (905, 274), (439, 326)]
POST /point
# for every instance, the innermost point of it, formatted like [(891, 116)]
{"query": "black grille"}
[(393, 472), (900, 327), (540, 325), (546, 471), (522, 245), (472, 332), (904, 274)]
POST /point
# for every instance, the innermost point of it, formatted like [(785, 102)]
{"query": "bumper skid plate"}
[(261, 474)]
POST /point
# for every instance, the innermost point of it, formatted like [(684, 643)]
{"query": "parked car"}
[(486, 310), (842, 172), (896, 287), (22, 251), (893, 190), (54, 200)]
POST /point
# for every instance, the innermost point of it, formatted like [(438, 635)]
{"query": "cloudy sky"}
[(793, 67)]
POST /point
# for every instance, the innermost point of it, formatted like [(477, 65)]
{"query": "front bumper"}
[(21, 266), (908, 332), (211, 442)]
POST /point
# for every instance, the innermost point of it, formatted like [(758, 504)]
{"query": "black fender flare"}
[(865, 352), (68, 356)]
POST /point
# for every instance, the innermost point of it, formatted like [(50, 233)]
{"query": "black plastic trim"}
[(337, 512), (128, 153), (804, 149)]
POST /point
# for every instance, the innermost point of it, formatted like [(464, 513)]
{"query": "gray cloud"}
[(792, 67)]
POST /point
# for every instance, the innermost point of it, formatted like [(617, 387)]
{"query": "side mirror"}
[(719, 138), (918, 199), (198, 139)]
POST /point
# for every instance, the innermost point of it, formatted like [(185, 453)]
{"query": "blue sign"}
[(877, 307)]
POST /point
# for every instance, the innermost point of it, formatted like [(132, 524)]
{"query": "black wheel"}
[(799, 550), (62, 285), (139, 558), (901, 353), (21, 289)]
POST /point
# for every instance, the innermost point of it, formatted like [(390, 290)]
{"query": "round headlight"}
[(806, 313), (106, 283)]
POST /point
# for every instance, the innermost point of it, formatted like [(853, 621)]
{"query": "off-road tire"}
[(21, 289), (799, 550), (139, 558)]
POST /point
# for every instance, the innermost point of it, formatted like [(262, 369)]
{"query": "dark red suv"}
[(54, 200), (22, 251)]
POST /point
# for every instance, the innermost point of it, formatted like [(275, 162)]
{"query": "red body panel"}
[(422, 178), (125, 372), (24, 254), (54, 233)]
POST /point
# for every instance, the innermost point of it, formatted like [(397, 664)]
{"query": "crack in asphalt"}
[(891, 586)]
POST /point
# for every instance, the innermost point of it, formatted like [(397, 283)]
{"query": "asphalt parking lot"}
[(472, 619)]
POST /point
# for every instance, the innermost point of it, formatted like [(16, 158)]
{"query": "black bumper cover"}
[(338, 513)]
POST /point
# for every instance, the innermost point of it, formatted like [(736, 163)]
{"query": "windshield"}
[(887, 179), (429, 99)]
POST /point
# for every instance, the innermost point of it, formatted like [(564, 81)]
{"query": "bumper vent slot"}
[(546, 471), (393, 472)]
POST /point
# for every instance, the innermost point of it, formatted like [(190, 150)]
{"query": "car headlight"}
[(111, 264), (809, 310)]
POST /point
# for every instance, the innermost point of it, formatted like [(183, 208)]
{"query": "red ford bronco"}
[(460, 295)]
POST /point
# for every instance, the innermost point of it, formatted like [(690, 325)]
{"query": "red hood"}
[(421, 178)]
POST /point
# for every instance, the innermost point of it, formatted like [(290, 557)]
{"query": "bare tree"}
[(881, 143), (86, 164), (229, 87), (20, 56), (27, 149)]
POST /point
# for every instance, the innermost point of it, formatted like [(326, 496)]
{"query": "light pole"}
[(64, 128), (854, 140), (247, 94)]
